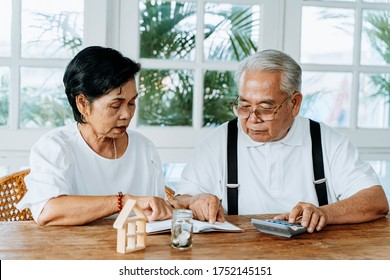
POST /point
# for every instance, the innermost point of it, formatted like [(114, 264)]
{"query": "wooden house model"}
[(131, 228)]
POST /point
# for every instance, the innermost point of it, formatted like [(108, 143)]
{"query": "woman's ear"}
[(82, 104)]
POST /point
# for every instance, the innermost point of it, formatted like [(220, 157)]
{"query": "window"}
[(37, 40), (189, 51), (50, 33), (230, 32), (344, 52)]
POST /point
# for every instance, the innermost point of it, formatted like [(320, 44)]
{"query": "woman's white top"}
[(62, 163)]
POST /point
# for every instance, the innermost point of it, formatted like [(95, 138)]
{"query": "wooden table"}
[(96, 241)]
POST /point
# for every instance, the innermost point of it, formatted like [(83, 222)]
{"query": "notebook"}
[(198, 227)]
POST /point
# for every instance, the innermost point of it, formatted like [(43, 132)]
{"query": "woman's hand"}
[(155, 208)]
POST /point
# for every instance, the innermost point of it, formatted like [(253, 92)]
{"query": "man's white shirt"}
[(275, 176)]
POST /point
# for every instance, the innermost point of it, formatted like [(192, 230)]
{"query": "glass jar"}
[(181, 230)]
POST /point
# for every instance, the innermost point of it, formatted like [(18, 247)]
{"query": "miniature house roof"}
[(125, 215)]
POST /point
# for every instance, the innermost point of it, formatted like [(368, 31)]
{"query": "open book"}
[(198, 227)]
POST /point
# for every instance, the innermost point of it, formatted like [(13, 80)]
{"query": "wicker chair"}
[(12, 190)]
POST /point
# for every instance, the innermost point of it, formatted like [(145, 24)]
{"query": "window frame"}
[(377, 149)]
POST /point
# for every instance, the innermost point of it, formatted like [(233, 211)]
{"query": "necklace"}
[(115, 151)]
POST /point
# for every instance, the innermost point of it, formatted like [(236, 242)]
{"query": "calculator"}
[(279, 227)]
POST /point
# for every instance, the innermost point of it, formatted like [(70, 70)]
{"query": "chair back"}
[(12, 190)]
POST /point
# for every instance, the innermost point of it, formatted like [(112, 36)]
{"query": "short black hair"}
[(94, 72)]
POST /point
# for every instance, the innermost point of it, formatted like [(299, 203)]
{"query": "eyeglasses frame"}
[(274, 112)]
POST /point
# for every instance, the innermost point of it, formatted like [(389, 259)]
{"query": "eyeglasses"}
[(265, 114)]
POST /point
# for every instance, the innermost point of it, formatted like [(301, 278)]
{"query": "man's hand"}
[(205, 207), (309, 215)]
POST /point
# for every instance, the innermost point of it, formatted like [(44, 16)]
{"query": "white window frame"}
[(16, 142), (372, 143)]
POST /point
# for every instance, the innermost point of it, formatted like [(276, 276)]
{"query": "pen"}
[(171, 196)]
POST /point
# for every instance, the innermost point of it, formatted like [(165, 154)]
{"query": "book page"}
[(159, 226), (199, 226)]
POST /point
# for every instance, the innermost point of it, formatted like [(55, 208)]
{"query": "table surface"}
[(96, 241)]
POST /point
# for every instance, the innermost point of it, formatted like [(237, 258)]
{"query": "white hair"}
[(273, 61)]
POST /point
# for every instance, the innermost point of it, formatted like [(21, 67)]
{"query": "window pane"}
[(327, 35), (43, 101), (382, 168), (52, 29), (167, 29), (374, 98), (4, 95), (376, 38), (219, 93), (231, 31), (5, 23), (165, 97), (327, 97)]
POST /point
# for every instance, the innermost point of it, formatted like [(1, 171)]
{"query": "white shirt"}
[(61, 162), (275, 176)]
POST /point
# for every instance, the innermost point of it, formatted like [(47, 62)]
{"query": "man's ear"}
[(296, 101), (82, 104)]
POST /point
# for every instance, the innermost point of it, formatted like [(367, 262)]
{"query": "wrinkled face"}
[(262, 89), (110, 115)]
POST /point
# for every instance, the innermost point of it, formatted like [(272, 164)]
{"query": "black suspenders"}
[(232, 185), (232, 180), (318, 163)]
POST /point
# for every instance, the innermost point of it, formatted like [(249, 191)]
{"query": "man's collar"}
[(295, 135)]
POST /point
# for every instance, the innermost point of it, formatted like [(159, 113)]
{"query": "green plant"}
[(379, 33), (162, 32), (167, 32), (166, 97), (51, 109), (44, 109), (237, 24), (218, 97), (379, 36), (65, 26)]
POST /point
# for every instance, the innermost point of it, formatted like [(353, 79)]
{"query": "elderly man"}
[(274, 158)]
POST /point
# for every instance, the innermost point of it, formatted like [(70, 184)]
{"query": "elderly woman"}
[(87, 170)]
